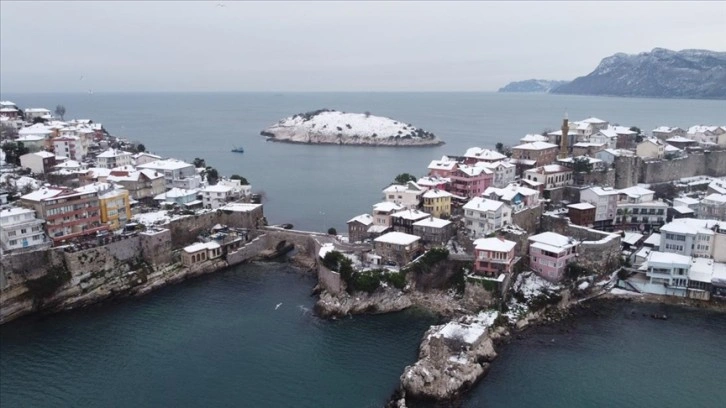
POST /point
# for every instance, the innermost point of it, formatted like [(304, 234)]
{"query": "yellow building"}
[(115, 208), (437, 203)]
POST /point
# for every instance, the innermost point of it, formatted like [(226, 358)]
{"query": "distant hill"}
[(660, 73), (532, 85)]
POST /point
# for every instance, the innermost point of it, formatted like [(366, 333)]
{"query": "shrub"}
[(332, 231)]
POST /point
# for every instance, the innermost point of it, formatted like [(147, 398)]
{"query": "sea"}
[(246, 337)]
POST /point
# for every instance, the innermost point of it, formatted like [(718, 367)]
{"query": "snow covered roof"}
[(714, 198), (365, 219), (432, 181), (608, 132), (444, 164), (683, 209), (15, 211), (483, 154), (37, 129), (701, 269), (549, 168), (672, 149), (636, 191), (398, 188), (593, 120), (653, 239), (387, 207), (168, 164), (432, 222), (606, 191), (411, 214), (668, 258), (692, 226), (529, 138), (494, 244), (113, 153), (685, 201), (43, 154), (483, 204), (43, 193), (397, 238), (632, 238), (240, 207), (201, 246), (30, 138), (590, 160), (553, 239), (473, 171), (436, 193), (536, 146), (508, 192), (665, 129), (69, 164), (581, 206), (176, 192), (718, 186), (377, 229), (623, 130), (679, 139), (217, 189)]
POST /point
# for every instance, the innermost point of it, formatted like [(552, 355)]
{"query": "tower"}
[(565, 139)]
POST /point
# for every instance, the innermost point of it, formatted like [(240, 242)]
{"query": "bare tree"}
[(60, 110)]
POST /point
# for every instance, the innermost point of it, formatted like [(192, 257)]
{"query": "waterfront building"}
[(549, 254), (144, 158), (177, 173), (691, 237), (437, 203), (358, 227), (666, 273), (408, 196), (493, 256), (434, 230), (382, 213), (113, 158), (200, 252), (397, 247), (114, 203), (19, 229), (217, 196), (68, 213), (483, 216), (39, 162)]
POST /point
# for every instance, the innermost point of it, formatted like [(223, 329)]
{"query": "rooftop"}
[(553, 239), (397, 238), (432, 222), (494, 244)]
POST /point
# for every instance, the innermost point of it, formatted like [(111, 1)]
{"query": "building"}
[(607, 137), (141, 184), (550, 176), (31, 114), (470, 181), (408, 196), (665, 132), (176, 173), (19, 229), (504, 172), (691, 237), (434, 230), (650, 149), (433, 183), (713, 206), (608, 155), (681, 142), (69, 146), (638, 211), (605, 201), (667, 273), (382, 213), (358, 227), (41, 162), (483, 216), (493, 256), (517, 197), (200, 252), (549, 254), (541, 153), (112, 158), (403, 221), (437, 203), (397, 247), (180, 197), (442, 168), (114, 203), (477, 154), (582, 214), (144, 158), (68, 213), (217, 196)]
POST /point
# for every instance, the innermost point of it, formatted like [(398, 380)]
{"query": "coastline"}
[(275, 140)]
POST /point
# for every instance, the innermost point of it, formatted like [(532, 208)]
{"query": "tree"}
[(140, 148), (499, 147), (199, 162), (241, 179), (665, 191), (581, 165), (404, 178), (638, 133), (13, 151), (212, 175), (332, 231), (60, 110)]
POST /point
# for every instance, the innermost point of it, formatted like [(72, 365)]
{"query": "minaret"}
[(564, 140)]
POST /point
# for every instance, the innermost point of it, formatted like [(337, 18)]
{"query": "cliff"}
[(532, 85), (660, 73), (333, 127)]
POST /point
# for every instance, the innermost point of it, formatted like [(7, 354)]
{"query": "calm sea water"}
[(316, 187), (219, 341)]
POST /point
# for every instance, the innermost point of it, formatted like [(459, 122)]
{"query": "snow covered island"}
[(327, 126)]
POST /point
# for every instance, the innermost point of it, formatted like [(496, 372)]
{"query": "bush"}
[(332, 231)]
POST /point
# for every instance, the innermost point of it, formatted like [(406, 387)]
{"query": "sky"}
[(275, 46)]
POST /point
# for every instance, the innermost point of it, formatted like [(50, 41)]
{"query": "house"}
[(200, 252), (530, 138), (541, 153), (382, 213), (217, 196), (437, 203), (9, 110), (666, 274), (627, 138), (68, 213), (179, 196), (19, 229), (434, 230), (238, 189), (665, 132), (144, 158), (690, 237), (33, 143), (638, 210), (551, 176), (681, 142), (69, 146), (608, 155), (403, 221), (113, 158), (607, 137), (140, 184), (476, 154), (408, 196), (114, 203), (582, 214), (650, 149), (397, 247), (433, 183), (515, 196), (705, 134), (442, 168), (700, 275), (470, 181), (493, 256), (713, 206), (605, 201), (504, 172), (717, 186), (39, 162), (176, 173), (687, 202), (549, 254), (358, 227), (31, 114), (483, 216), (587, 148)]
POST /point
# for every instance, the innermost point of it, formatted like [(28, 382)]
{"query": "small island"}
[(326, 126)]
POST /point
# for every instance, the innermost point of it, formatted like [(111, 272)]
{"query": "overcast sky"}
[(331, 46)]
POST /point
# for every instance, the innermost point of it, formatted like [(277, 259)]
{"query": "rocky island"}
[(532, 85), (326, 126)]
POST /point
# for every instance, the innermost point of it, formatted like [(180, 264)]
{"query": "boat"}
[(238, 150)]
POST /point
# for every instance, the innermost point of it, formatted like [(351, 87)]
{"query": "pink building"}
[(470, 181), (549, 254), (442, 168), (493, 256)]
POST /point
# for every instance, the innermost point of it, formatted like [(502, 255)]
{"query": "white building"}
[(667, 273), (713, 206), (217, 196), (112, 158), (605, 201), (177, 173), (551, 175), (35, 113), (38, 162), (19, 229), (478, 154), (650, 149), (483, 216), (504, 172), (69, 146), (408, 196)]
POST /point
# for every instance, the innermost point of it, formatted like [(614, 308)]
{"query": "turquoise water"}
[(216, 341)]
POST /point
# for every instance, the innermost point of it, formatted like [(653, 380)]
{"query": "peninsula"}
[(327, 126)]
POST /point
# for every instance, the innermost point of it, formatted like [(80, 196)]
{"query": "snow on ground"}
[(469, 328), (21, 182), (623, 292), (152, 218), (459, 359), (531, 286), (455, 248)]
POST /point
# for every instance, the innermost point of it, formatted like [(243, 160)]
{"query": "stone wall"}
[(185, 230), (600, 178), (248, 251), (156, 246), (528, 219), (633, 170), (100, 258)]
